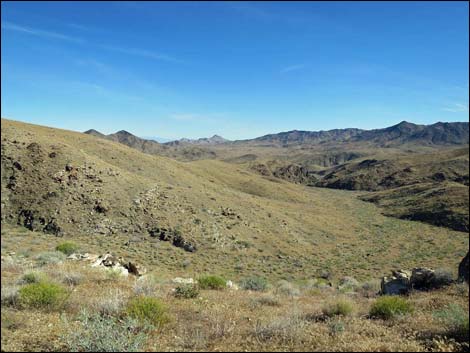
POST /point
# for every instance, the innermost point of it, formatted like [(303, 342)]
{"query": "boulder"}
[(134, 269), (398, 283), (118, 264), (464, 269), (422, 278)]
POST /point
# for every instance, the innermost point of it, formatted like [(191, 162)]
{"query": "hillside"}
[(112, 197)]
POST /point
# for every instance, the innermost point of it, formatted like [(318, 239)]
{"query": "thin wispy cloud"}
[(100, 90), (457, 108), (55, 35), (142, 53), (40, 32), (78, 27), (292, 68)]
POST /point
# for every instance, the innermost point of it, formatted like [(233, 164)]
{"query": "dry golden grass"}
[(227, 320)]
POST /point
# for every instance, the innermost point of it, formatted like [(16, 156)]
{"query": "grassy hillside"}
[(108, 197), (275, 239)]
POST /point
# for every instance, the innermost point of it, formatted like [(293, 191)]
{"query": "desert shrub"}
[(455, 320), (11, 264), (316, 283), (96, 333), (254, 283), (72, 278), (10, 320), (112, 274), (186, 291), (148, 309), (50, 257), (111, 304), (10, 296), (211, 282), (387, 307), (372, 286), (339, 307), (348, 284), (32, 277), (336, 327), (147, 285), (42, 295), (461, 289), (67, 247), (287, 288), (267, 300), (282, 329)]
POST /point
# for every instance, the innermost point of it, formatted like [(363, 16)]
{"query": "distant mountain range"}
[(405, 132), (214, 140)]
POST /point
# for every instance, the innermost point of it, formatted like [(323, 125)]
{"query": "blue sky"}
[(238, 69)]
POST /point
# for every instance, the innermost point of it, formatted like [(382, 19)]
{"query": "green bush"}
[(455, 320), (212, 282), (286, 288), (340, 307), (32, 277), (67, 247), (148, 309), (388, 307), (186, 291), (42, 295), (266, 299), (254, 283), (50, 257), (104, 334)]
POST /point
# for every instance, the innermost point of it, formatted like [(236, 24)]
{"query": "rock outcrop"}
[(398, 283), (119, 265), (419, 278), (464, 269), (174, 236)]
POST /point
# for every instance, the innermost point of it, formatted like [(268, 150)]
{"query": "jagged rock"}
[(101, 206), (398, 283), (26, 219), (464, 269), (52, 228), (118, 264), (17, 165), (174, 236), (422, 278), (228, 212), (134, 269)]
